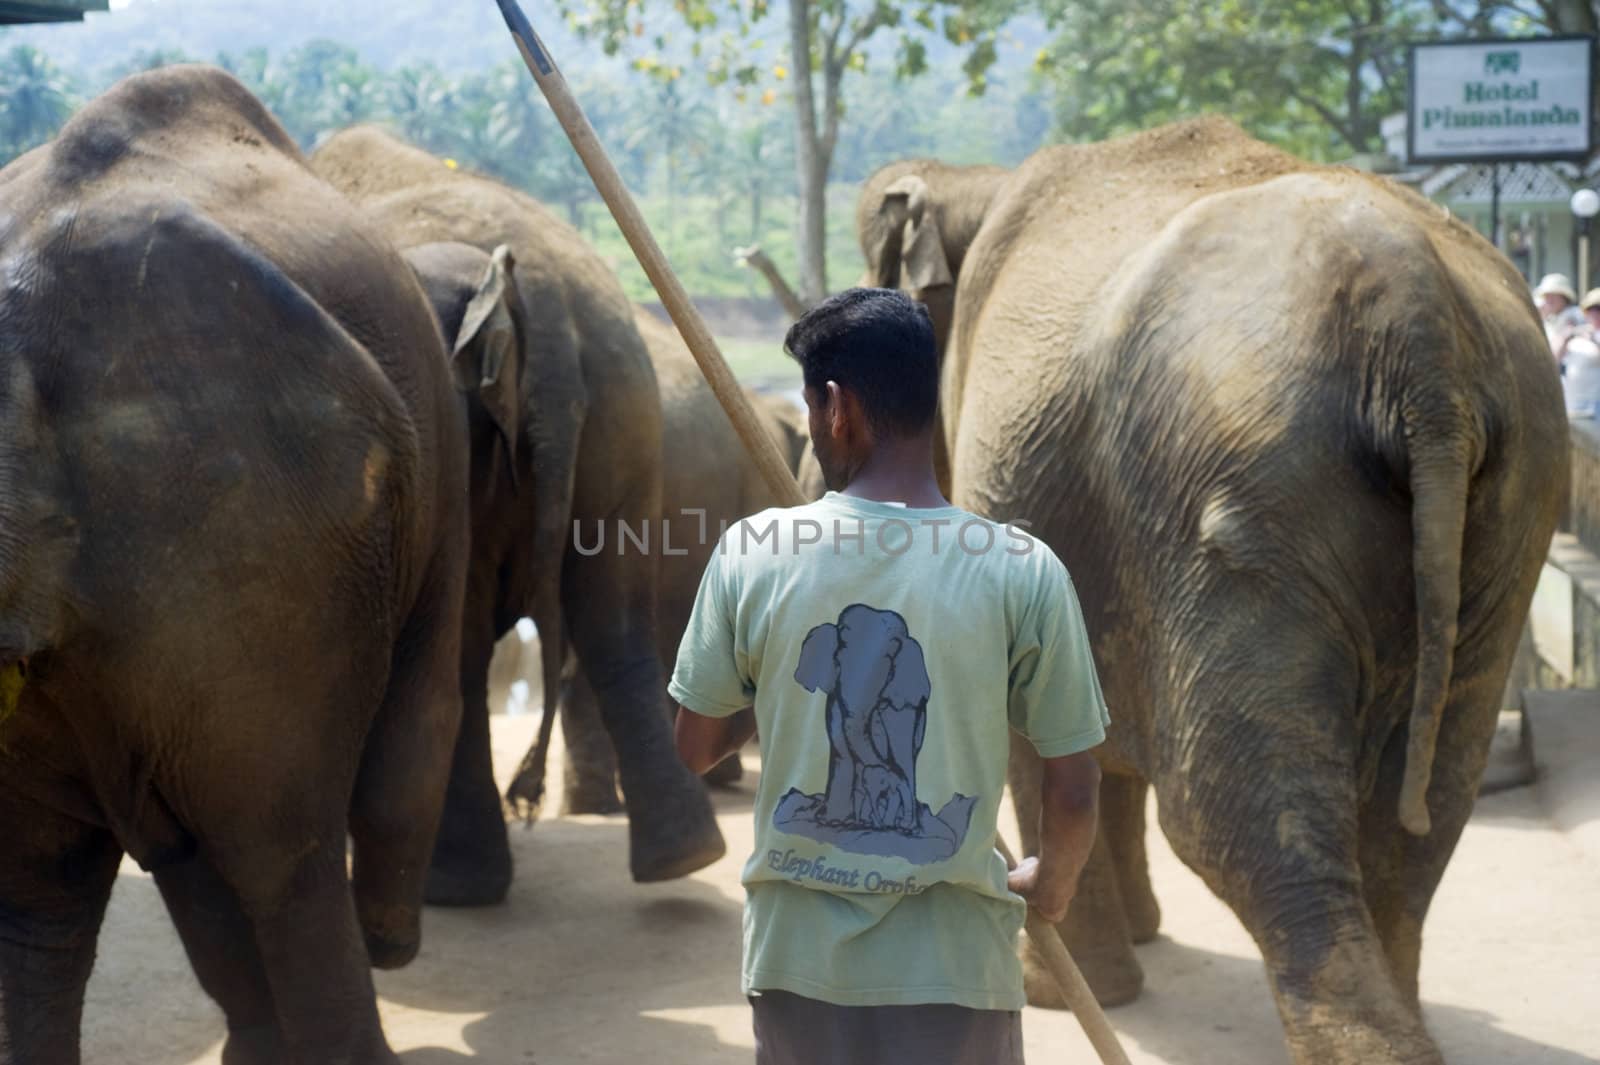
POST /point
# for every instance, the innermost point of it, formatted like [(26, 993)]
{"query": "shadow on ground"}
[(582, 965), (1186, 984)]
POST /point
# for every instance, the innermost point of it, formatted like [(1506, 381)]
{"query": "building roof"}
[(1519, 182), (1466, 182), (48, 10)]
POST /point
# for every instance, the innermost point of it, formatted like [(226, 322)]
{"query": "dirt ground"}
[(581, 965)]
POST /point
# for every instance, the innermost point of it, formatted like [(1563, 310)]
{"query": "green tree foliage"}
[(142, 60), (35, 99), (713, 159), (825, 40), (1316, 76)]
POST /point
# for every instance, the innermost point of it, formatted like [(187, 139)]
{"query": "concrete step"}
[(1561, 645), (1510, 755), (1563, 734)]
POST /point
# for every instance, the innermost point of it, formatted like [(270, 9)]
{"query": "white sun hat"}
[(1556, 284)]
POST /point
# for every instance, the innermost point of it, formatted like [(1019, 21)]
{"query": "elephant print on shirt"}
[(872, 671)]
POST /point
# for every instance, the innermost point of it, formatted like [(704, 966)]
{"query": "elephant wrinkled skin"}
[(231, 568), (707, 479), (1296, 435), (583, 432)]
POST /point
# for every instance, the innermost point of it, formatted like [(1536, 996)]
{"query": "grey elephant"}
[(1295, 433), (233, 558), (566, 441), (877, 687), (871, 670), (707, 480)]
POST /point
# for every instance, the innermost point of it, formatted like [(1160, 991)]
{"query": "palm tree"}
[(145, 59), (35, 99), (354, 96), (325, 86), (253, 68), (417, 98)]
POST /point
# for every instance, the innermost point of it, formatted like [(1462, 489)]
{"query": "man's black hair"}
[(877, 343)]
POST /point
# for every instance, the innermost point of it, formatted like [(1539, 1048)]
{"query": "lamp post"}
[(1585, 205)]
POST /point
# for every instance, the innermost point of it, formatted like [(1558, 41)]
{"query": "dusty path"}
[(583, 966)]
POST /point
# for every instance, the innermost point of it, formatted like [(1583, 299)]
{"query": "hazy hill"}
[(454, 34)]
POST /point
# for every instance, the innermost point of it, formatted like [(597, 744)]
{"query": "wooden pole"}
[(637, 232), (1069, 978), (763, 449)]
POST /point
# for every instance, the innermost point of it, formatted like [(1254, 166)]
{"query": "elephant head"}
[(476, 300), (818, 668), (916, 220)]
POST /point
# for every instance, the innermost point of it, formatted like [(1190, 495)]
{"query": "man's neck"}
[(899, 471)]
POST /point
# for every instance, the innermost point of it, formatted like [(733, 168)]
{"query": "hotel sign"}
[(1485, 101)]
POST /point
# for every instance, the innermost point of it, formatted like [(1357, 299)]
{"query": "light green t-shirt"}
[(888, 652)]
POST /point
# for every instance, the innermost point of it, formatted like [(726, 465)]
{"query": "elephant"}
[(878, 689), (875, 679), (705, 469), (580, 421), (233, 560), (1294, 433)]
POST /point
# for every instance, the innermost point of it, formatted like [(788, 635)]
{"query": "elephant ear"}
[(818, 668), (910, 686), (486, 355), (924, 262)]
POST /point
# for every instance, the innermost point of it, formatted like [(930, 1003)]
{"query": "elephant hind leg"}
[(471, 864), (56, 876), (276, 850), (220, 942), (1122, 823), (589, 772), (1400, 872), (311, 948), (609, 603), (405, 767), (1095, 929), (1282, 853)]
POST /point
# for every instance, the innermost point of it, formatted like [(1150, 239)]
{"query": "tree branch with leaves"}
[(826, 40)]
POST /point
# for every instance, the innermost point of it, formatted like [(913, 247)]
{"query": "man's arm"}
[(1068, 806), (704, 741)]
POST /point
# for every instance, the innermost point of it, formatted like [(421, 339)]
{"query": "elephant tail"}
[(1441, 451), (553, 423), (526, 793)]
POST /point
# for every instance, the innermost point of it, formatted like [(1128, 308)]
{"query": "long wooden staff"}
[(763, 450)]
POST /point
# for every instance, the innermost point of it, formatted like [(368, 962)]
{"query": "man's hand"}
[(1050, 898), (1069, 790)]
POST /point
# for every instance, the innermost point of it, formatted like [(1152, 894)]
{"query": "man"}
[(1557, 302), (1591, 311), (1580, 362), (888, 642)]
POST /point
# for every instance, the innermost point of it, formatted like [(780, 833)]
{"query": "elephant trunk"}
[(1439, 475)]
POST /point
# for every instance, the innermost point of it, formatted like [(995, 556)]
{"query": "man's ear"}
[(847, 417), (485, 355)]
